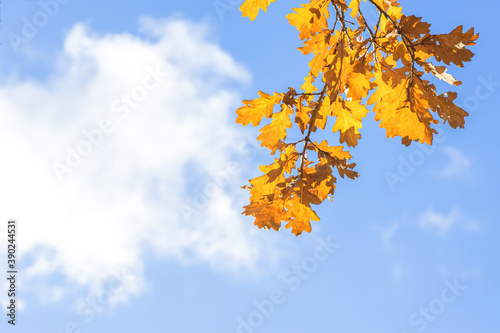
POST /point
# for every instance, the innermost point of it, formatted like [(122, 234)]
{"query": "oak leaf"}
[(251, 8)]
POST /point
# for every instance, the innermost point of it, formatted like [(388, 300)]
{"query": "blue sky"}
[(144, 232)]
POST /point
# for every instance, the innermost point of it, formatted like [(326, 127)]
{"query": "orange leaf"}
[(254, 110), (251, 8)]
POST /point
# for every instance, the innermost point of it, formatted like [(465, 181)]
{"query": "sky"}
[(122, 165)]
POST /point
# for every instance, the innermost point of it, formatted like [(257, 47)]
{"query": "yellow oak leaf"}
[(334, 151), (349, 115), (354, 6), (251, 8), (359, 81), (256, 109), (274, 132), (268, 217), (324, 112), (409, 125), (310, 18), (299, 216)]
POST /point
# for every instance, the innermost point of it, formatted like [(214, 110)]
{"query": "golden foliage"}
[(359, 66)]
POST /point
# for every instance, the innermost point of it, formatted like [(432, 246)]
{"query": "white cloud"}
[(443, 223), (120, 208), (458, 164)]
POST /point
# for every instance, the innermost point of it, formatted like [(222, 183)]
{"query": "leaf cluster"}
[(354, 65)]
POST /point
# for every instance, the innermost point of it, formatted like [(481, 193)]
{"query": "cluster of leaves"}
[(354, 65)]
